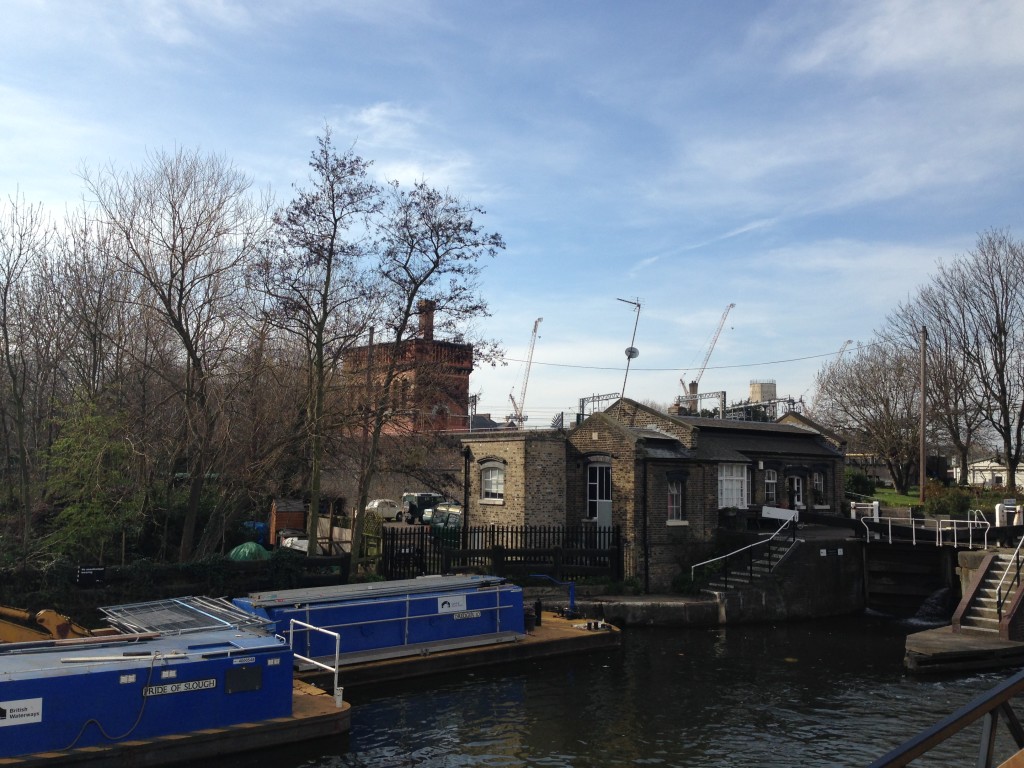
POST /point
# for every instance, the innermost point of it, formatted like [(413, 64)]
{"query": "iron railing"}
[(564, 552), (749, 552), (947, 531)]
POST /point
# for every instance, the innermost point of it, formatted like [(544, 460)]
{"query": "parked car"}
[(415, 504), (431, 512), (387, 509), (446, 525)]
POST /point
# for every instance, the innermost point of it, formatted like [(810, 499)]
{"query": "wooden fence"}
[(564, 553)]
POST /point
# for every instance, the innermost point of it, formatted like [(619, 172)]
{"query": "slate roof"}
[(726, 446), (727, 440), (658, 445)]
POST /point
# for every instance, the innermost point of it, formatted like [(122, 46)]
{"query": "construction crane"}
[(711, 348), (517, 417)]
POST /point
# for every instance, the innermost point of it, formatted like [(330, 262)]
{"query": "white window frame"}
[(675, 502), (733, 485), (771, 487), (599, 487), (818, 484), (492, 482)]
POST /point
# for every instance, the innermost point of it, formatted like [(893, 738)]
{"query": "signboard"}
[(451, 604), (90, 575), (778, 513), (187, 687), (21, 712)]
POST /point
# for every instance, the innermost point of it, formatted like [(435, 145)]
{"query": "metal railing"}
[(338, 692), (989, 705), (749, 550), (1013, 565), (496, 601), (942, 526)]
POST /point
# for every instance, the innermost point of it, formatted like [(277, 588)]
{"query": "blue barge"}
[(390, 619), (176, 666)]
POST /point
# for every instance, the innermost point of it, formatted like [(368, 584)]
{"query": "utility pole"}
[(923, 449), (631, 352)]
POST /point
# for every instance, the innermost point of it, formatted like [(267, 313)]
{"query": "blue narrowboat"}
[(175, 666), (394, 618)]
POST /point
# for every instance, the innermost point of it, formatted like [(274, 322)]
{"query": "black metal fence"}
[(564, 553)]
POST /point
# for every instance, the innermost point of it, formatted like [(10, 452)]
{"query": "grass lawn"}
[(888, 497)]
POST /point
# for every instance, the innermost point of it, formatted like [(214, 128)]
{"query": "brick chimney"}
[(426, 312)]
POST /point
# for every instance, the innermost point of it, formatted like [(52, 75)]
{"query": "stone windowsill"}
[(677, 523)]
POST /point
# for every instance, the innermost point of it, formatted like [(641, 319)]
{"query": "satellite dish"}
[(632, 353)]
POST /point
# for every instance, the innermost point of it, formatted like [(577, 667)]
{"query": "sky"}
[(809, 162)]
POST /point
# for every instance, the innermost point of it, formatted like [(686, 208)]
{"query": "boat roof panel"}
[(181, 614), (346, 592)]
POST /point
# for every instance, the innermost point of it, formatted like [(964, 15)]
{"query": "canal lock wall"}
[(820, 577)]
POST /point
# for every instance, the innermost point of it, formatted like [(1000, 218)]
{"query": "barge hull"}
[(314, 716)]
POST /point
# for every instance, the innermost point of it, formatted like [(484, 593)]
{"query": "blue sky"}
[(810, 162)]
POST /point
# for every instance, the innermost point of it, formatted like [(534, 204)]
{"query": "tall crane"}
[(517, 416), (711, 348)]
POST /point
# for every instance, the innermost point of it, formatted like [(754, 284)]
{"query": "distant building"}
[(431, 390), (983, 473)]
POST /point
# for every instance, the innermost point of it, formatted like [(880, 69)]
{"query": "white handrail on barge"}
[(338, 692)]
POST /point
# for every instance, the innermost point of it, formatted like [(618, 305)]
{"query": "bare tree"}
[(430, 248), (871, 397), (315, 279), (25, 236), (97, 306), (188, 225), (956, 409), (983, 301)]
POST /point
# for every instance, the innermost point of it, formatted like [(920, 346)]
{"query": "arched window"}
[(492, 481)]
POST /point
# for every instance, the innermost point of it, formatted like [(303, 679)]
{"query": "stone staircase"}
[(742, 572), (981, 616)]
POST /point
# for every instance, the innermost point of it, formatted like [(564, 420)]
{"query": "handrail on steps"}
[(750, 547), (1015, 581)]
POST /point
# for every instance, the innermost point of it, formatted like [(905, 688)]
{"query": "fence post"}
[(498, 560), (557, 563)]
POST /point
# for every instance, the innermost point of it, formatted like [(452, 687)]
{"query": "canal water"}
[(816, 693)]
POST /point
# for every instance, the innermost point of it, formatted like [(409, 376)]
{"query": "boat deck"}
[(314, 715), (553, 636), (942, 650)]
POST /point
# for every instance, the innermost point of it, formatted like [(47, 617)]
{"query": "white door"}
[(795, 486)]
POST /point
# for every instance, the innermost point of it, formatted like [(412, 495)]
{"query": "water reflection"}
[(829, 693)]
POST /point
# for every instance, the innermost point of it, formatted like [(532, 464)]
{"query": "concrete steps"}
[(742, 572), (982, 615)]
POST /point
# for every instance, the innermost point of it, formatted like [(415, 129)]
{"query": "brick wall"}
[(534, 464)]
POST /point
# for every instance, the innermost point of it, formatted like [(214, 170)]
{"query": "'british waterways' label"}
[(21, 712)]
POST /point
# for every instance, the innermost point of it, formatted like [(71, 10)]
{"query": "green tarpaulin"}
[(249, 551)]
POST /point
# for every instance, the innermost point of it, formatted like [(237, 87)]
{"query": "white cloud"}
[(882, 37)]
